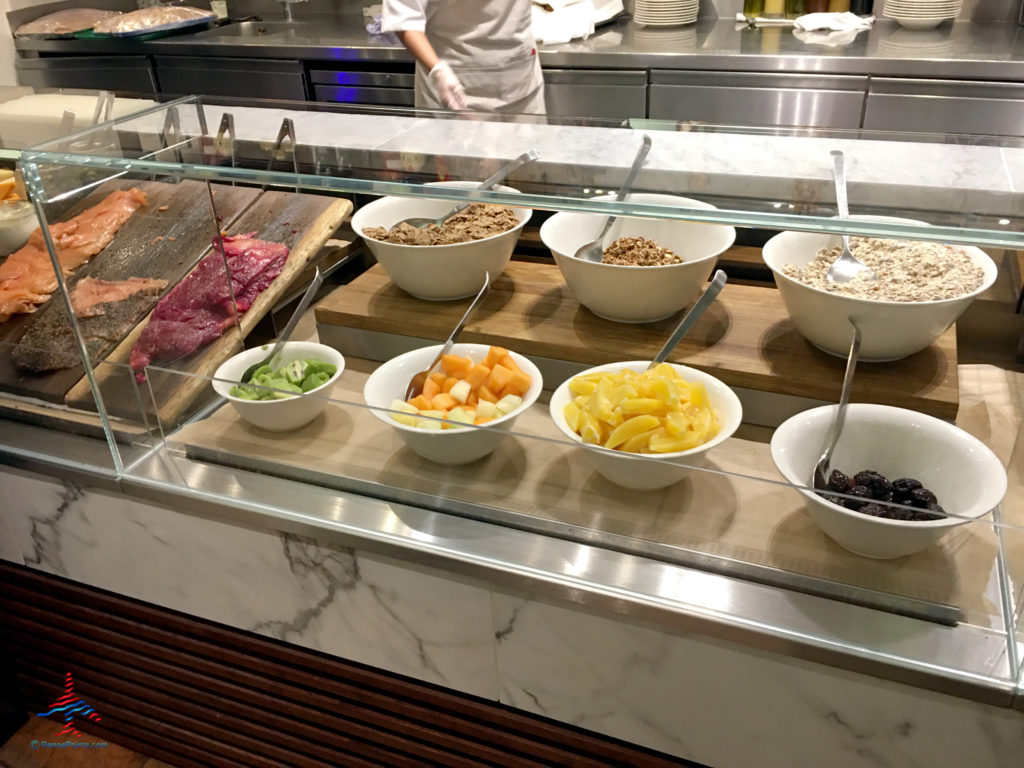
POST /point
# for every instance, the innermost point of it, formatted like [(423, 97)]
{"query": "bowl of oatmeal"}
[(921, 290), (652, 267), (443, 263)]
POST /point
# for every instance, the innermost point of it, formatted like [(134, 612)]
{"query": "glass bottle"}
[(795, 8), (817, 6), (838, 6), (862, 7), (774, 9), (753, 8)]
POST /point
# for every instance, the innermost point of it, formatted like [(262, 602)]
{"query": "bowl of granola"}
[(921, 289), (440, 263), (652, 267)]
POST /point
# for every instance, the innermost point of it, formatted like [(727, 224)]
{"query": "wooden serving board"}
[(745, 338), (186, 227), (303, 223)]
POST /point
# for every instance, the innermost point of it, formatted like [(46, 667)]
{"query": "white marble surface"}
[(328, 598), (901, 174), (723, 705)]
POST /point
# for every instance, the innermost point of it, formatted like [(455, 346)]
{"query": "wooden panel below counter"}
[(745, 338)]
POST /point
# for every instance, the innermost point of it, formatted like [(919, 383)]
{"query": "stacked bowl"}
[(922, 14)]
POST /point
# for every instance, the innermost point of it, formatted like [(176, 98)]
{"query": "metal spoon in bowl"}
[(819, 479), (593, 250), (691, 317), (416, 382), (847, 266), (292, 322), (421, 222)]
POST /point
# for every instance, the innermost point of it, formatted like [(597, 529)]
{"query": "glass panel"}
[(965, 187)]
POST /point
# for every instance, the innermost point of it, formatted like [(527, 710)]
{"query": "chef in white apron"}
[(470, 54)]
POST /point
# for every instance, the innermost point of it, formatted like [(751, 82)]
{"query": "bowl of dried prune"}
[(900, 479)]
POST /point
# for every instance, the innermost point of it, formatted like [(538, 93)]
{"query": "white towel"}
[(834, 22), (565, 23)]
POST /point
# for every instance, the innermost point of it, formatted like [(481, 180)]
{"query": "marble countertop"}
[(958, 50)]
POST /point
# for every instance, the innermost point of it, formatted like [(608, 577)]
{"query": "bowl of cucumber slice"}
[(289, 392)]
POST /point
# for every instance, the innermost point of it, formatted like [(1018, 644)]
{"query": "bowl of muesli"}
[(447, 262), (652, 268), (921, 289)]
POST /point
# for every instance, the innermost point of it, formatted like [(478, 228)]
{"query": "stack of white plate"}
[(665, 13), (922, 14)]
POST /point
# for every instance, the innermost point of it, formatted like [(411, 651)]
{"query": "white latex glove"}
[(448, 86)]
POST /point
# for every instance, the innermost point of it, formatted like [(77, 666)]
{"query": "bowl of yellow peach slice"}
[(645, 429)]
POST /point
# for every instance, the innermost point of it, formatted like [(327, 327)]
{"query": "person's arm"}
[(407, 19)]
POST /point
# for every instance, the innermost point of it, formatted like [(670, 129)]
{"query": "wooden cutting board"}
[(745, 338), (154, 243), (303, 223)]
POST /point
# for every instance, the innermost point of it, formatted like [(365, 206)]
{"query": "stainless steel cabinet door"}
[(755, 99), (945, 106), (119, 74), (253, 78), (618, 94)]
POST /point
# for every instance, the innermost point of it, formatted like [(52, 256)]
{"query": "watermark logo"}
[(69, 706)]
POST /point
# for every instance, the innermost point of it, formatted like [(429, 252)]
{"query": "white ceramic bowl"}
[(890, 330), (637, 294), (279, 415), (448, 446), (651, 471), (436, 272), (965, 475)]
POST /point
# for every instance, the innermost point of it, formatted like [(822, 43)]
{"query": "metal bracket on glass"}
[(171, 134), (224, 143), (287, 133), (104, 107)]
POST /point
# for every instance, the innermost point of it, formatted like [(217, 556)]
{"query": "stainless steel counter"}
[(961, 50)]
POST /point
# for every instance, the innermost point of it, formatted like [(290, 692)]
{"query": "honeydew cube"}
[(508, 403), (461, 416), (460, 392), (486, 410), (431, 420), (409, 419), (401, 405)]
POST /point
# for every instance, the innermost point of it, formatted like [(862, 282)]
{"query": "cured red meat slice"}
[(199, 309)]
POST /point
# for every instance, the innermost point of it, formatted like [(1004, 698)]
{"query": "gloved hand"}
[(448, 86)]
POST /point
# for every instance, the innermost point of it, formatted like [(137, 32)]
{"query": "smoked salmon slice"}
[(27, 278), (89, 295)]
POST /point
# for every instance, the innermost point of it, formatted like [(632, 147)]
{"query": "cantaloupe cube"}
[(486, 395), (520, 383), (482, 419), (450, 364), (449, 382), (509, 363), (473, 399), (443, 401), (420, 403), (478, 375), (431, 388), (500, 376), (494, 355), (439, 377)]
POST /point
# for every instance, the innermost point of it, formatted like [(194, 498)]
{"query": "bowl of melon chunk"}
[(468, 404)]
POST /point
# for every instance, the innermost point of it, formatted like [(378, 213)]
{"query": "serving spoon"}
[(847, 266), (292, 322), (691, 317), (416, 382), (592, 251), (422, 222), (819, 478)]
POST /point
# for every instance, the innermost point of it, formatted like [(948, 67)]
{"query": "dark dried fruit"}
[(861, 492), (922, 497), (899, 513), (839, 482), (902, 488), (875, 510)]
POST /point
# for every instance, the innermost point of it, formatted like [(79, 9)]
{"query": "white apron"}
[(489, 45)]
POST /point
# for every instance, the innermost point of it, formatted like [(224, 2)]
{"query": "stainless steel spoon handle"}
[(844, 396), (641, 155), (842, 202), (300, 310), (691, 317), (496, 178), (450, 342)]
